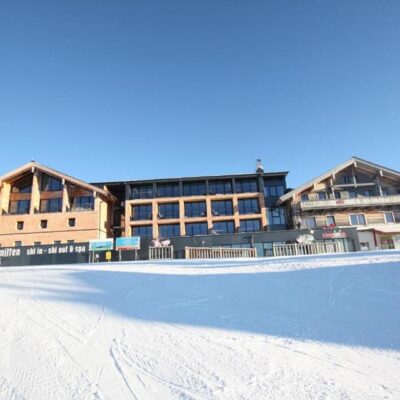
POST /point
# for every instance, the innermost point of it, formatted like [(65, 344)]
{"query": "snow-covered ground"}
[(323, 327)]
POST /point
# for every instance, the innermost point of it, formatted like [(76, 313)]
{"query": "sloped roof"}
[(33, 165), (353, 160)]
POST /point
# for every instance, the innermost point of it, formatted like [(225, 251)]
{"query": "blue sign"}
[(128, 243), (101, 244)]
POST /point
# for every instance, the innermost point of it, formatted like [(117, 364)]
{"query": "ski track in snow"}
[(195, 330)]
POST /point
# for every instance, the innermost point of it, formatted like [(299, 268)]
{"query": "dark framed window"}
[(43, 223), (389, 217), (273, 190), (71, 222), (309, 223), (368, 193), (248, 206), (70, 241), (338, 195), (20, 207), (195, 209), (23, 185), (304, 197), (168, 190), (57, 242), (20, 225), (223, 227), (168, 210), (220, 187), (246, 186), (330, 220), (170, 230), (250, 225), (357, 219), (196, 229), (277, 216), (322, 196), (51, 205), (83, 203), (37, 243), (352, 194), (142, 212), (51, 184), (18, 243), (347, 179), (144, 231), (222, 207), (142, 191), (194, 188)]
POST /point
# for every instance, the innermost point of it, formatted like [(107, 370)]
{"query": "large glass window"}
[(248, 206), (83, 203), (389, 217), (168, 190), (24, 185), (330, 221), (142, 191), (51, 184), (20, 207), (357, 219), (168, 210), (196, 229), (309, 223), (222, 207), (276, 216), (322, 196), (246, 186), (170, 230), (223, 227), (273, 190), (195, 209), (51, 205), (250, 225), (144, 231), (220, 187), (194, 188), (142, 212), (304, 197)]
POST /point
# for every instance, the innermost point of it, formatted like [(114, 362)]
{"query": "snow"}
[(321, 327)]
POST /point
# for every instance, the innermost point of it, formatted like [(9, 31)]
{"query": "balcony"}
[(373, 201)]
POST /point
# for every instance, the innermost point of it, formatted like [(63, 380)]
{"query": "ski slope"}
[(324, 327)]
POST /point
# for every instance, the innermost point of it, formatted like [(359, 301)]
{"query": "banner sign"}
[(334, 235), (40, 250), (101, 244), (128, 243)]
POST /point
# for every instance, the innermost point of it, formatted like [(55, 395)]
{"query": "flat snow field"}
[(322, 327)]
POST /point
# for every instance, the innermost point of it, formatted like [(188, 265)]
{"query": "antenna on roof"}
[(259, 166)]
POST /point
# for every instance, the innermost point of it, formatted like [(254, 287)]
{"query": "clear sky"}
[(128, 89)]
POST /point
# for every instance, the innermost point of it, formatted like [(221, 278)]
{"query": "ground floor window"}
[(144, 231)]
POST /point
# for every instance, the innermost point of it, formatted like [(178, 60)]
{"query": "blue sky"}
[(110, 90)]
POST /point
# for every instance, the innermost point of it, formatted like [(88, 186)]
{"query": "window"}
[(20, 225), (276, 216), (357, 219), (309, 223), (304, 197), (83, 203), (273, 190), (168, 190), (338, 195), (71, 222), (384, 192), (24, 185), (250, 225), (368, 193), (57, 242), (195, 209), (389, 217), (20, 207), (168, 210), (222, 207), (248, 206), (142, 191), (347, 179), (51, 205), (194, 188), (70, 241), (50, 184), (196, 229), (223, 227), (220, 187), (167, 231), (37, 243), (246, 186), (43, 223), (330, 220), (144, 231), (352, 194), (18, 243), (322, 196), (142, 212)]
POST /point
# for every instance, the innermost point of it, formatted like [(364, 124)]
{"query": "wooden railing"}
[(218, 252), (161, 253), (305, 249)]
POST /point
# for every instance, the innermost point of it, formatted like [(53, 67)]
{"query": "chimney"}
[(259, 167)]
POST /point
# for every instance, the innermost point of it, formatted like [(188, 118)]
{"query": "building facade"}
[(39, 205), (356, 193)]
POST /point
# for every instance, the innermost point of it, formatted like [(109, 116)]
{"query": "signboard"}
[(334, 235), (101, 244), (128, 243)]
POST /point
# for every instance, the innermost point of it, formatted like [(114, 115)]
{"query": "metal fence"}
[(161, 253), (305, 249), (218, 252)]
